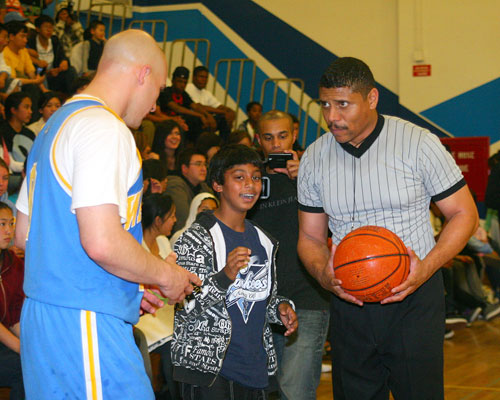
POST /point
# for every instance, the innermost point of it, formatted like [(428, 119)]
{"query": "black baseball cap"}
[(181, 72)]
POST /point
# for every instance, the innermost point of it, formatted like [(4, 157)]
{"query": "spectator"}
[(224, 116), (250, 125), (18, 59), (17, 138), (240, 137), (174, 100), (4, 186), (154, 175), (49, 104), (167, 143), (209, 143), (11, 300), (97, 39), (201, 202), (158, 217), (47, 53), (68, 29), (188, 183), (7, 83)]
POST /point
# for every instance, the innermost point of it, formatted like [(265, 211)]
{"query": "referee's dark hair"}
[(229, 156), (348, 72)]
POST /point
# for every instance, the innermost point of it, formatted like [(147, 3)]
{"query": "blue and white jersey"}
[(85, 156)]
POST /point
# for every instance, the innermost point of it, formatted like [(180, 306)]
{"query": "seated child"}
[(11, 301), (222, 346)]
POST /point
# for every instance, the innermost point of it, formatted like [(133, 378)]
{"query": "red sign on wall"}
[(422, 70), (471, 154)]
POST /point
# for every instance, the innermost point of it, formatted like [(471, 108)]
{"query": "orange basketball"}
[(371, 261)]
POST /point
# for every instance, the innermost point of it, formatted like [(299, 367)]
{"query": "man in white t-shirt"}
[(198, 92), (79, 219)]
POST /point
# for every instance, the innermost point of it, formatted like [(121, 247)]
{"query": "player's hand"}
[(150, 303), (419, 273), (180, 281), (288, 317), (292, 166), (236, 260), (332, 284)]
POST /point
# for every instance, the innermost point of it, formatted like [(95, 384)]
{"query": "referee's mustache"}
[(335, 126)]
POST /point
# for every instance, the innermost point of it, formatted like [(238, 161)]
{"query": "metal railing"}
[(306, 121), (184, 43), (152, 22), (240, 64), (288, 81), (113, 5)]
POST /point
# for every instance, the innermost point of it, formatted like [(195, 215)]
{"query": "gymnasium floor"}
[(472, 365)]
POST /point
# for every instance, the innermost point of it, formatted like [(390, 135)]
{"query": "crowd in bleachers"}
[(44, 61)]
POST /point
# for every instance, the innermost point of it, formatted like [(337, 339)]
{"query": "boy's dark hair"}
[(2, 27), (43, 19), (229, 156), (186, 155), (4, 206), (13, 101), (14, 27), (251, 104), (155, 205), (348, 72), (198, 69)]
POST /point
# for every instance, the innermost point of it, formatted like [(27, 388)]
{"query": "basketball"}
[(371, 261)]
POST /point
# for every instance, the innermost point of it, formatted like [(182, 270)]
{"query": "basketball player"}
[(380, 170), (79, 217)]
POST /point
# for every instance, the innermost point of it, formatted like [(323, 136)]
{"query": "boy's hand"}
[(288, 317), (236, 260), (150, 303)]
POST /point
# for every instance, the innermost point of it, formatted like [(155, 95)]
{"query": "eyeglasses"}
[(199, 164)]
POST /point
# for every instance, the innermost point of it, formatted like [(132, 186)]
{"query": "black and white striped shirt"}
[(389, 181)]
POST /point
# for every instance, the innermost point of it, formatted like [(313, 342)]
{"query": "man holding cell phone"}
[(300, 354)]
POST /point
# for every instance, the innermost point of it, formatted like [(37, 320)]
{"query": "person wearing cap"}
[(174, 100), (67, 28)]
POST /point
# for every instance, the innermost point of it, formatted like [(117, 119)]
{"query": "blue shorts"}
[(77, 354)]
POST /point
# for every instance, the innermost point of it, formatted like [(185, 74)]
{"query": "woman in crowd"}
[(49, 104), (11, 301), (167, 143), (158, 218), (201, 202)]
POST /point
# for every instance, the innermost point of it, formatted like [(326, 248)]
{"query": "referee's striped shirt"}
[(388, 181)]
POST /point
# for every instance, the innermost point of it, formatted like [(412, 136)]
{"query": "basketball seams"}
[(382, 280)]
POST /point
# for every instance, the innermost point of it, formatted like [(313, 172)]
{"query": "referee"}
[(380, 170)]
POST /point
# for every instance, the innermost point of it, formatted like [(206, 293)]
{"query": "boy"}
[(7, 84), (97, 39), (47, 53), (222, 346), (250, 125)]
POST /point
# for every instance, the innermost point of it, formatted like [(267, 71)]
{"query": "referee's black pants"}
[(395, 347)]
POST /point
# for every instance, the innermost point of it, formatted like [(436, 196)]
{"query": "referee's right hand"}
[(334, 285)]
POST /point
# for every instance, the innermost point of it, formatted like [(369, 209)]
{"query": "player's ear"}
[(373, 98), (144, 71)]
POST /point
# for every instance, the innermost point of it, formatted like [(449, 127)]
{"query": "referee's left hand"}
[(419, 274)]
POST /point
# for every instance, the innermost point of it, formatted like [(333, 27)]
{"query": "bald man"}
[(79, 220)]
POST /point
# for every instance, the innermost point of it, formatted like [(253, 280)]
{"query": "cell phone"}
[(40, 71), (278, 160)]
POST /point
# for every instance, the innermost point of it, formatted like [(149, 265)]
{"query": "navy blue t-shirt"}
[(245, 361)]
